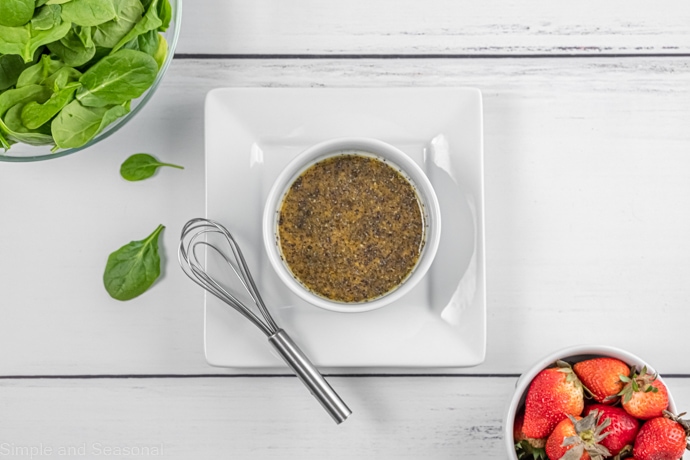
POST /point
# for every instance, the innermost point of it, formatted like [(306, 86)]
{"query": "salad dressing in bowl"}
[(351, 227)]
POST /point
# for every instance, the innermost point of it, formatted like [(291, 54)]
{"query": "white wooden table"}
[(587, 173)]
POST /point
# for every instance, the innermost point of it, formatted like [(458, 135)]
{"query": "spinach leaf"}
[(35, 115), (14, 13), (13, 40), (141, 166), (161, 52), (75, 65), (35, 74), (47, 17), (23, 95), (11, 66), (88, 12), (108, 34), (76, 125), (146, 43), (150, 21), (117, 78), (43, 37), (76, 48), (61, 78), (165, 14), (11, 124), (100, 54), (13, 120), (4, 143), (25, 40), (31, 138), (131, 270)]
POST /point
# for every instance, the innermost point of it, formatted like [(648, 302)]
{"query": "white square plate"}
[(252, 133)]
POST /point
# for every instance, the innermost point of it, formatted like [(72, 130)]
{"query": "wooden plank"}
[(586, 182), (435, 27), (261, 417), (258, 418)]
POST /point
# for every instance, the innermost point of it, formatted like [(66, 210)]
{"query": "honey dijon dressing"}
[(351, 228)]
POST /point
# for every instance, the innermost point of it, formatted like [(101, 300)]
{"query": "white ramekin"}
[(394, 157)]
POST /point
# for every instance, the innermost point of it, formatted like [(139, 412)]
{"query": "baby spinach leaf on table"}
[(108, 34), (88, 12), (76, 48), (47, 17), (23, 95), (141, 166), (117, 78), (35, 115), (76, 125), (14, 13), (11, 66), (150, 21), (25, 40), (131, 270)]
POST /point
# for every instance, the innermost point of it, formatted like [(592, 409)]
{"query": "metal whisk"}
[(194, 235)]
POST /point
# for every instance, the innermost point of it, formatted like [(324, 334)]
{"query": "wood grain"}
[(263, 418), (587, 177), (444, 27)]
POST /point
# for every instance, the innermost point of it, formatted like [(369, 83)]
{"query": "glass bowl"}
[(25, 153)]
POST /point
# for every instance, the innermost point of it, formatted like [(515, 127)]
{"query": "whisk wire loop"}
[(193, 238)]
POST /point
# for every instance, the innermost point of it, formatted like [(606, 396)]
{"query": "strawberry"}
[(622, 428), (527, 448), (643, 396), (662, 438), (565, 429), (553, 394), (577, 438), (601, 377)]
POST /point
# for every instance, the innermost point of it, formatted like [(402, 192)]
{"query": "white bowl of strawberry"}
[(593, 402)]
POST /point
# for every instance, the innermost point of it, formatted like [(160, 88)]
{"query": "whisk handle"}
[(309, 375)]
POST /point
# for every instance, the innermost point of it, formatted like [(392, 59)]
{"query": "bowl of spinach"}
[(72, 72)]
